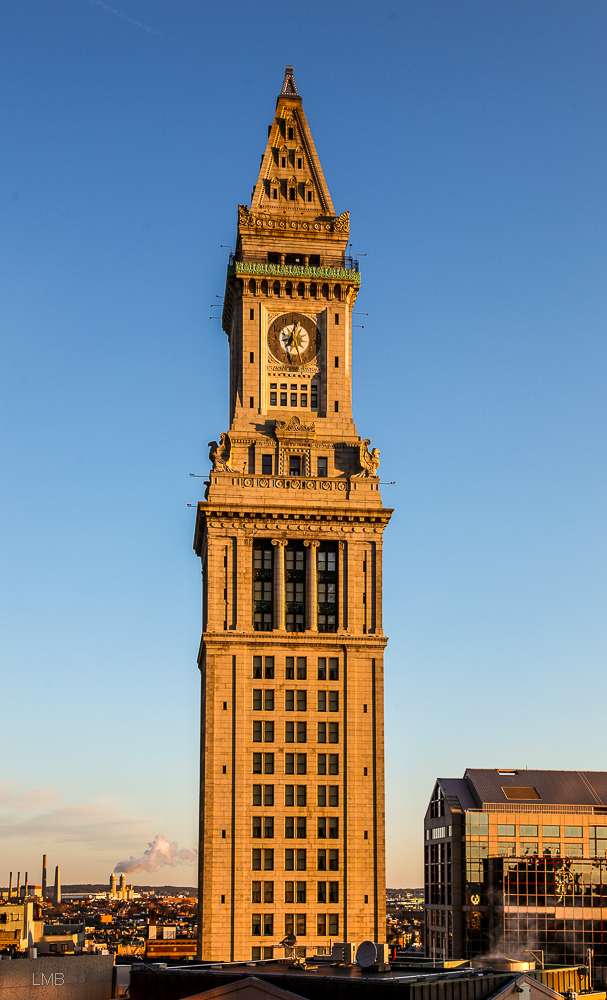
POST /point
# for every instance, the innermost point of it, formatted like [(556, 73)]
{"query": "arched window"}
[(313, 290), (289, 289), (276, 288), (264, 287), (337, 292), (252, 286), (325, 291), (301, 291)]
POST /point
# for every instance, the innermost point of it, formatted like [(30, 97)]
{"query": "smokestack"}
[(122, 883), (18, 885), (44, 876), (26, 888), (10, 885), (57, 892), (112, 885)]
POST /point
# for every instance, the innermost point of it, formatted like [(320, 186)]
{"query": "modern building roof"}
[(481, 786)]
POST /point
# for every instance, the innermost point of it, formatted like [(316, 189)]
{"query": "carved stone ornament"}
[(342, 223), (369, 461), (293, 429), (219, 454)]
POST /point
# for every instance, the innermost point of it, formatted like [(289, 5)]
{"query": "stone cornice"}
[(225, 641), (294, 271)]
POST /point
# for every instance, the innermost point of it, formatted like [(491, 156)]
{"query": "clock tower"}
[(290, 539)]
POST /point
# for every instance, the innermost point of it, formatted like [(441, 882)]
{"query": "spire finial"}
[(288, 87)]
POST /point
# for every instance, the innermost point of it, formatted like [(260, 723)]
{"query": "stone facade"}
[(290, 538)]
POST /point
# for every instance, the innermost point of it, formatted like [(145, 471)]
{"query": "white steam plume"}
[(160, 852)]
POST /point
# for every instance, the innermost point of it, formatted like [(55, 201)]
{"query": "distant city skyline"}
[(475, 155)]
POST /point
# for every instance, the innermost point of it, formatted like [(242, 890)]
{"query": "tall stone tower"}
[(290, 538)]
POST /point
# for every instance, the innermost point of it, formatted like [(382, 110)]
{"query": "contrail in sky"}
[(127, 17)]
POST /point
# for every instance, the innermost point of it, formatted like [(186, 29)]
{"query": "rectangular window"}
[(302, 668), (574, 850), (333, 668), (289, 763), (266, 460), (289, 859), (506, 849), (321, 924), (321, 860), (269, 668), (268, 795), (506, 830), (336, 406), (333, 827), (289, 732), (268, 924), (574, 831), (291, 194), (301, 892), (263, 577), (283, 399), (256, 824), (333, 796), (321, 892), (322, 732), (256, 892), (321, 792), (301, 859), (257, 698), (322, 668), (314, 398), (268, 826), (301, 827), (303, 401), (256, 925), (321, 701), (333, 861), (289, 923), (251, 402), (294, 403), (289, 701), (301, 925), (301, 763), (299, 162), (256, 859), (327, 577), (302, 701), (528, 849), (289, 795), (268, 763), (551, 850), (321, 828), (273, 401), (334, 924), (290, 668), (295, 589), (309, 196), (289, 892), (334, 892), (302, 795), (289, 827), (268, 859), (551, 831), (256, 795), (322, 763), (257, 667), (333, 701), (257, 758), (333, 731), (528, 831), (268, 732), (333, 763), (268, 700), (321, 467), (257, 731)]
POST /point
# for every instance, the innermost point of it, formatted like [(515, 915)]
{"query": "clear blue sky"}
[(468, 141)]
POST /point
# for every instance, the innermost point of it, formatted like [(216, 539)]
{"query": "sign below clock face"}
[(294, 339)]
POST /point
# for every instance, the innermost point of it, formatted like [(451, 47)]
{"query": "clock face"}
[(294, 339)]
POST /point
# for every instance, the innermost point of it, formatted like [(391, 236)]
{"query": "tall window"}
[(262, 585), (327, 587), (295, 567)]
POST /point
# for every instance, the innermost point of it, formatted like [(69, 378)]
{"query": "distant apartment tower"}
[(290, 538), (516, 859)]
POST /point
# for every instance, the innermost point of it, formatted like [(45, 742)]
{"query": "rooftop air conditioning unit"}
[(343, 952)]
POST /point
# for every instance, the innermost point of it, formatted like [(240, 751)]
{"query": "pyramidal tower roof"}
[(291, 182)]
